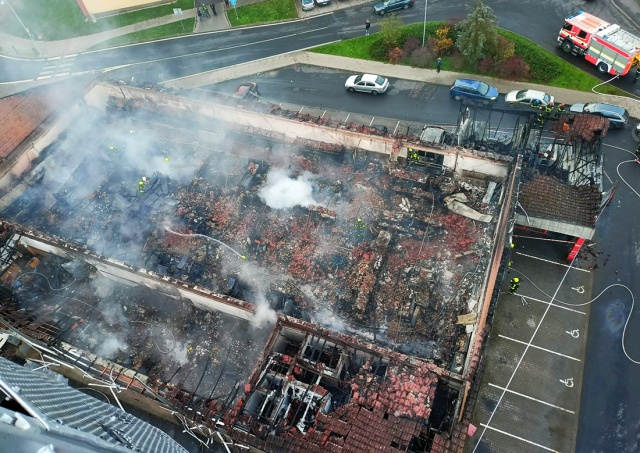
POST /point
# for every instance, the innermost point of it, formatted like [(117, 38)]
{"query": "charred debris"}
[(365, 270)]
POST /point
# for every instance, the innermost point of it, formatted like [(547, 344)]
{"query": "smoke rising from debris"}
[(284, 192), (109, 346)]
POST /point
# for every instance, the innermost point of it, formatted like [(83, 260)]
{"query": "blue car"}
[(473, 89)]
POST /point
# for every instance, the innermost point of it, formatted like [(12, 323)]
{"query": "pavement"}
[(13, 46)]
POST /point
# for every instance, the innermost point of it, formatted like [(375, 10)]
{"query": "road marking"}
[(57, 67), (518, 437), (552, 262), (555, 305), (541, 348), (204, 52), (532, 398)]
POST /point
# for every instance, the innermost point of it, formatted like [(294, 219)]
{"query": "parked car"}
[(473, 89), (307, 5), (391, 5), (323, 2), (617, 116), (367, 83), (529, 97), (245, 90)]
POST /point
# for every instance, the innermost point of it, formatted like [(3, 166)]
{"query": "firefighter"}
[(413, 155), (142, 184), (515, 284), (360, 225), (637, 74), (562, 108), (548, 108)]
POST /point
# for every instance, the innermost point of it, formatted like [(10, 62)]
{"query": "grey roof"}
[(55, 403)]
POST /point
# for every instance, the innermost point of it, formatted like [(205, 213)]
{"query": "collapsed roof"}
[(198, 206)]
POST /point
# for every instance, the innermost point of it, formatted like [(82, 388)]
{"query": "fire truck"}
[(609, 47)]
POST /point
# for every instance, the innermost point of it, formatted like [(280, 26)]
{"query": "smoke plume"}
[(284, 192)]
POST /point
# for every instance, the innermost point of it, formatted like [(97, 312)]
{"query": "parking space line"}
[(541, 348), (518, 437), (532, 398), (555, 305), (552, 262)]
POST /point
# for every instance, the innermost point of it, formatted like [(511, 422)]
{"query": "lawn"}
[(163, 31), (265, 11), (546, 68), (62, 19)]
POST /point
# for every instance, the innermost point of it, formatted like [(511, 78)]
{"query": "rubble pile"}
[(369, 243)]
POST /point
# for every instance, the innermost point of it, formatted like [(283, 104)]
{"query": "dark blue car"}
[(473, 89)]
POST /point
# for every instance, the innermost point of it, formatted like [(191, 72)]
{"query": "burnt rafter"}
[(566, 146)]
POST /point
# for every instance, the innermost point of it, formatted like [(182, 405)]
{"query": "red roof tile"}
[(22, 113)]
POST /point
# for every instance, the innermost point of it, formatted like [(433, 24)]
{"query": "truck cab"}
[(578, 30)]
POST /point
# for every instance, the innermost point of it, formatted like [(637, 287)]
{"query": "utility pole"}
[(424, 28), (35, 45)]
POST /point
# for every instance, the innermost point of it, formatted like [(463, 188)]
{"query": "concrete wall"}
[(458, 160), (130, 275)]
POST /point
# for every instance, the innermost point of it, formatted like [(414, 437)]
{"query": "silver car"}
[(307, 5), (367, 83)]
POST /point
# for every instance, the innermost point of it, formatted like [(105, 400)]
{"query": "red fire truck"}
[(609, 47)]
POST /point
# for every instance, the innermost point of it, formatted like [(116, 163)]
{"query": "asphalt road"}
[(167, 59), (609, 417)]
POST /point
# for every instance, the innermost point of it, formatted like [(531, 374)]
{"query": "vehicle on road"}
[(609, 47), (246, 89), (529, 97), (367, 83), (323, 2), (391, 5), (473, 89), (617, 116), (307, 5)]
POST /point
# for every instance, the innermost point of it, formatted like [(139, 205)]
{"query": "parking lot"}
[(530, 392)]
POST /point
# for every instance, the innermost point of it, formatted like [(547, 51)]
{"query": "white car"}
[(367, 83), (529, 97)]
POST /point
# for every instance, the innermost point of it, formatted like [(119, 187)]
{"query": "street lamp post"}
[(424, 29), (35, 45)]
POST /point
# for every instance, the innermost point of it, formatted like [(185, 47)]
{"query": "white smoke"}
[(179, 354), (110, 346), (264, 315), (284, 192)]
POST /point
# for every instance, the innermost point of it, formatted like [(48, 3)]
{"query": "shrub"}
[(444, 46), (514, 68), (504, 50), (395, 55), (411, 44), (457, 60), (543, 66), (422, 57), (432, 45), (486, 65), (391, 30)]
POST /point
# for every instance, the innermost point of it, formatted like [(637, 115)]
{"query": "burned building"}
[(276, 283)]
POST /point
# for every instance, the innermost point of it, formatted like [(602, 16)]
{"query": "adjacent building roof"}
[(22, 113), (56, 404)]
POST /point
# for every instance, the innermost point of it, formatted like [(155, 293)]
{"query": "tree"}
[(477, 33), (391, 31)]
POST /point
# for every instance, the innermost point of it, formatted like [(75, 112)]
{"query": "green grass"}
[(63, 19), (545, 67), (163, 31), (265, 11)]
